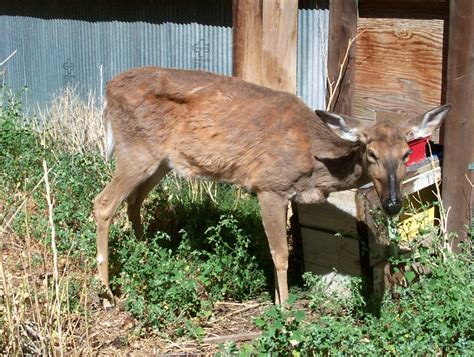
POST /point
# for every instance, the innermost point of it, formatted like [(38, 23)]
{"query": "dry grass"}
[(31, 320), (37, 314), (72, 125)]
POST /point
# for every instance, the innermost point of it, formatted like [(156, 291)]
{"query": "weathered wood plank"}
[(265, 42), (247, 40), (325, 251), (342, 28), (335, 215), (280, 19), (459, 127), (399, 66)]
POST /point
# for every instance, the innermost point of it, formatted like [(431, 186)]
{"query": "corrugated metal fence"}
[(76, 43), (313, 28), (83, 44)]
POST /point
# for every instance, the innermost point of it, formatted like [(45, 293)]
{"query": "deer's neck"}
[(345, 172)]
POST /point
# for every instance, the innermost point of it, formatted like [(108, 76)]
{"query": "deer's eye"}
[(407, 155), (371, 156)]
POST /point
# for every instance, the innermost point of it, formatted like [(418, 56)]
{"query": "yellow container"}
[(411, 226)]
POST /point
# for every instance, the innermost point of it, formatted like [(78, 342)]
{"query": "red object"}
[(418, 147)]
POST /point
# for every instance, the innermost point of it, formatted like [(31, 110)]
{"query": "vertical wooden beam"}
[(265, 40), (279, 44), (247, 42), (459, 126), (342, 28), (264, 52)]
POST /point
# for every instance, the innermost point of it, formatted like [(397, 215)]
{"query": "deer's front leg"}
[(106, 204), (273, 210)]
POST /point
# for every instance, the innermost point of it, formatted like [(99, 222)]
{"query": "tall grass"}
[(71, 124), (39, 315)]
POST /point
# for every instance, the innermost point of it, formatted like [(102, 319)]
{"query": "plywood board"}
[(336, 215), (399, 66), (328, 251)]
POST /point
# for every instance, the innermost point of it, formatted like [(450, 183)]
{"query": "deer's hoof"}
[(107, 305)]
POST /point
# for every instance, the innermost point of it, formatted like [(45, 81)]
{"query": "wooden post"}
[(342, 28), (265, 42), (280, 20), (247, 42), (459, 126), (264, 52)]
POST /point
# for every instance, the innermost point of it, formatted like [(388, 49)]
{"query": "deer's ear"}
[(427, 123), (344, 126)]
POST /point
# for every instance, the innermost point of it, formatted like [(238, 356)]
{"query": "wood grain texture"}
[(324, 252), (342, 28), (280, 19), (247, 40), (265, 42), (459, 126), (399, 66)]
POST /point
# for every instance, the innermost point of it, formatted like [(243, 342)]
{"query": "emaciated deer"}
[(215, 127)]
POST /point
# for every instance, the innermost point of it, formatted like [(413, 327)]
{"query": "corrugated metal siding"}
[(73, 43), (67, 43), (313, 28)]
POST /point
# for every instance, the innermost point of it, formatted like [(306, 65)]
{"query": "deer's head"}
[(384, 148)]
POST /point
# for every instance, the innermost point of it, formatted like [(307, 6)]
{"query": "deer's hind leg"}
[(127, 177), (136, 198)]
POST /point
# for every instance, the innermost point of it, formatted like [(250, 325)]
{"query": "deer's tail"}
[(109, 137)]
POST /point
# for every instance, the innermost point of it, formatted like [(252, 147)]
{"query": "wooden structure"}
[(409, 56), (265, 42), (458, 170)]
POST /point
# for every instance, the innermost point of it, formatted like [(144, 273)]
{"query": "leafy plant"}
[(173, 287), (432, 315), (231, 271), (283, 331)]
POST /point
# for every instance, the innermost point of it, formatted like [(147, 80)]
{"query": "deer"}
[(222, 128)]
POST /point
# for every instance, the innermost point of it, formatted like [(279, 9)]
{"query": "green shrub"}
[(230, 270), (283, 331), (432, 316), (20, 150), (435, 313), (75, 180), (171, 287)]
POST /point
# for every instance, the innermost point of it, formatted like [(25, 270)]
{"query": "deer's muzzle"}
[(392, 206), (393, 203)]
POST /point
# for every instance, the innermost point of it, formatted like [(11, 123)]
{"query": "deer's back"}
[(214, 126)]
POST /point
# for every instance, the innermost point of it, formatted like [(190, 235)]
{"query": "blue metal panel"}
[(63, 44), (313, 27)]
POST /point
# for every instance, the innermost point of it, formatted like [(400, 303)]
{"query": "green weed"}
[(173, 287), (431, 316)]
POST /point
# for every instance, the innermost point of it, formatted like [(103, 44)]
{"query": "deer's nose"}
[(392, 206)]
